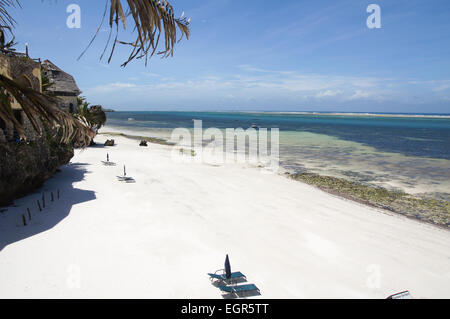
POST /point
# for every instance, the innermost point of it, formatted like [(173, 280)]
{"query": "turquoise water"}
[(411, 153)]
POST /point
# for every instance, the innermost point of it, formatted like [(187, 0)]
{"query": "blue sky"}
[(287, 55)]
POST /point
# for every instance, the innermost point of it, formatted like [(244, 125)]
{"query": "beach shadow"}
[(98, 146), (12, 229)]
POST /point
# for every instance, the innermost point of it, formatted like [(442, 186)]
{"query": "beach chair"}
[(107, 162), (125, 178), (223, 277), (239, 289)]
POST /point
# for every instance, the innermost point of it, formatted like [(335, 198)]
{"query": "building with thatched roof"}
[(26, 72), (62, 86)]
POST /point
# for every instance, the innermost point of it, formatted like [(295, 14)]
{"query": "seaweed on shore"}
[(428, 210), (153, 140)]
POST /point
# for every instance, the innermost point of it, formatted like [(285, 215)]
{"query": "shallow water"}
[(407, 153)]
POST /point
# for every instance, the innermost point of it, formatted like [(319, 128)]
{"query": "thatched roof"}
[(62, 82)]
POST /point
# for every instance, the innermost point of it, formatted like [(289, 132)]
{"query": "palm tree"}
[(151, 18), (94, 117)]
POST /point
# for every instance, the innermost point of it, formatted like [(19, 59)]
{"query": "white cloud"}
[(443, 86), (110, 87), (328, 93), (359, 94), (259, 86)]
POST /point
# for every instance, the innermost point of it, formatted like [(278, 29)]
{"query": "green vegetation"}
[(428, 210), (93, 116), (45, 84)]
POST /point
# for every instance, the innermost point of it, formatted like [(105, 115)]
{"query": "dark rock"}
[(109, 143), (26, 166), (143, 143)]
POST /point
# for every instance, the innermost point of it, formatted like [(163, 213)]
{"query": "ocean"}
[(405, 152)]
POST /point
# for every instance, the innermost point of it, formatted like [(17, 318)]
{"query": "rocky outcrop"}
[(30, 154), (110, 143), (25, 166)]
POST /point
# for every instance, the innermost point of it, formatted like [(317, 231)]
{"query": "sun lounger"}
[(126, 179), (239, 289), (223, 277), (108, 163)]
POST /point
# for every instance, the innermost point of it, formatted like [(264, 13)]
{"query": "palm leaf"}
[(5, 18), (151, 19), (38, 106), (7, 22)]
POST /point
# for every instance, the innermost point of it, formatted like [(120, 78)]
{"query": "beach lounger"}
[(126, 179), (239, 289), (108, 163), (222, 277)]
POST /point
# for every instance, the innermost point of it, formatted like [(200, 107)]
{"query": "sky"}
[(287, 55)]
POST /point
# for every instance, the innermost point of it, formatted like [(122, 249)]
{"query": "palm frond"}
[(93, 117), (37, 105), (151, 19), (7, 22)]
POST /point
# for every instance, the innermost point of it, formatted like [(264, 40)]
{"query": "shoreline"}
[(428, 210), (355, 114), (153, 140)]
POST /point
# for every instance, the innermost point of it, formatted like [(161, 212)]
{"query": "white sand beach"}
[(160, 236)]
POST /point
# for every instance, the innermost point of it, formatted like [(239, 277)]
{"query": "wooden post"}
[(24, 220), (43, 200), (52, 197), (39, 205), (29, 213)]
